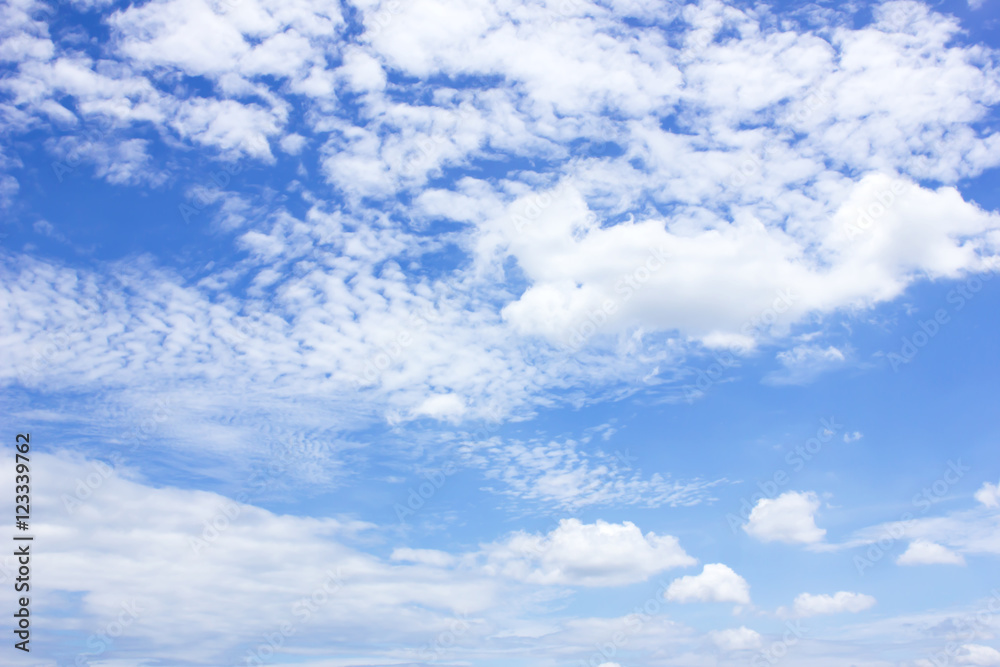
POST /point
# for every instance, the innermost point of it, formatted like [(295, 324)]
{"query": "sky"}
[(547, 333)]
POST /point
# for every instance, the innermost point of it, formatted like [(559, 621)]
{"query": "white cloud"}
[(579, 554), (788, 518), (854, 436), (441, 406), (423, 556), (804, 363), (759, 233), (949, 537), (922, 552), (807, 604), (561, 473), (716, 583), (105, 532), (989, 495), (293, 143), (655, 273), (736, 639), (979, 655), (789, 197)]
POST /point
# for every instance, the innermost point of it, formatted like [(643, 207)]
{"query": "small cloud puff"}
[(788, 518), (716, 583), (807, 604), (989, 494), (736, 639), (923, 552)]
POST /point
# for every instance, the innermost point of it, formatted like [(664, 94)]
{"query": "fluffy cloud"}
[(977, 654), (254, 569), (716, 583), (989, 495), (788, 518), (725, 234), (257, 572), (656, 272), (807, 604), (736, 639), (579, 554), (452, 232), (922, 552)]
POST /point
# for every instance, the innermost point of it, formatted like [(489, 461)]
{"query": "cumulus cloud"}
[(977, 654), (579, 554), (789, 518), (736, 639), (106, 530), (922, 552), (989, 495), (441, 406), (807, 604), (716, 583)]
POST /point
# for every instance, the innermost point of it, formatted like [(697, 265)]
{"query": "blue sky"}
[(615, 333)]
